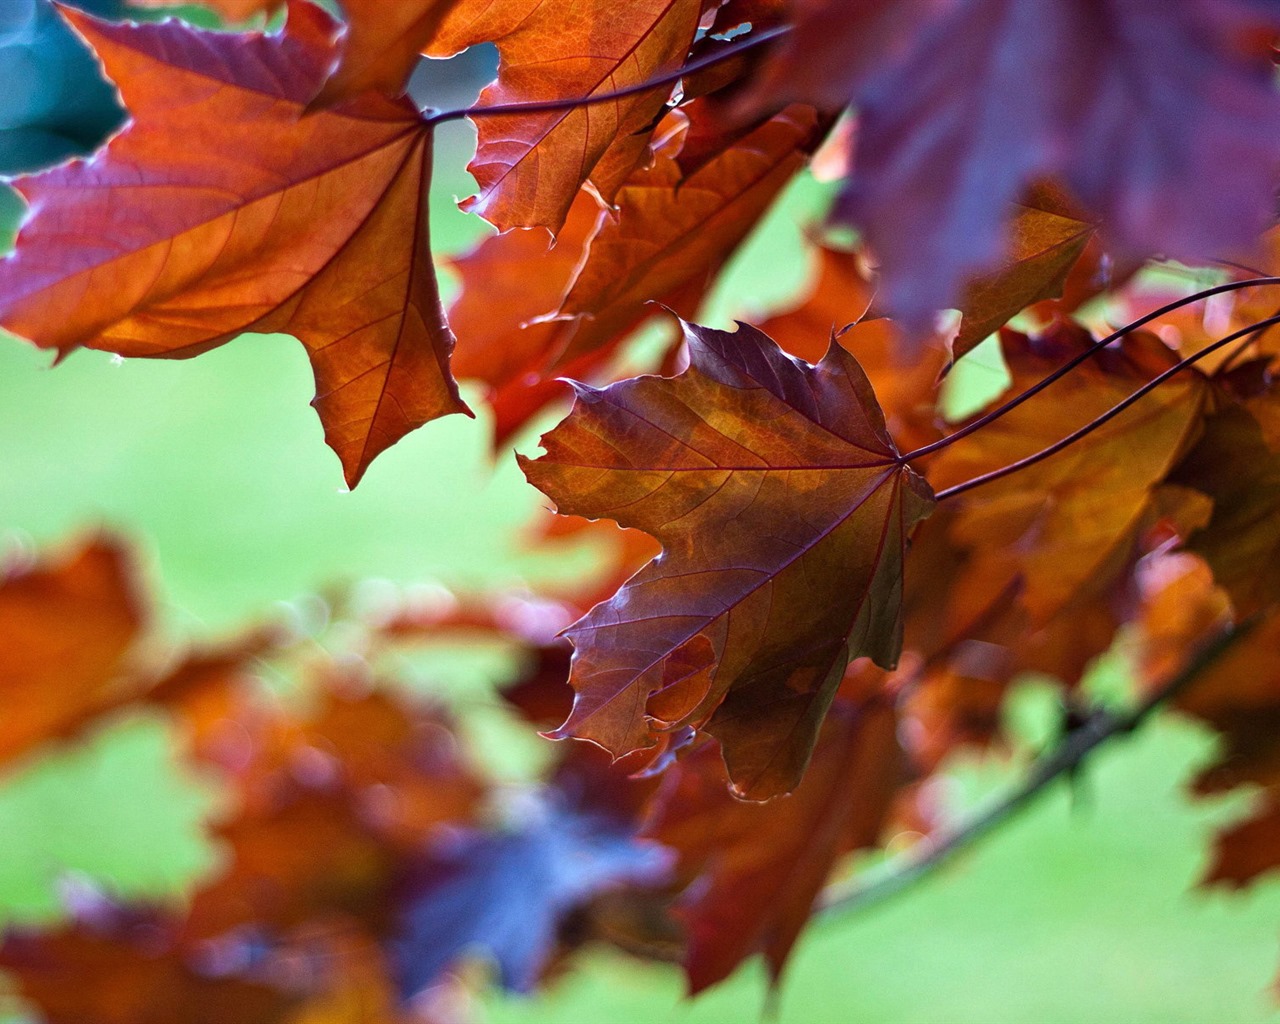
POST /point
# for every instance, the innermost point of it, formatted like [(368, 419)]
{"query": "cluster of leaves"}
[(366, 855), (364, 852), (847, 584)]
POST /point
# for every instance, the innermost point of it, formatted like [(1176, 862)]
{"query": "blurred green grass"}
[(218, 468)]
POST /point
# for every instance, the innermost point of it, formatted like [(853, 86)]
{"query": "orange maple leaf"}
[(222, 210), (529, 166), (66, 633)]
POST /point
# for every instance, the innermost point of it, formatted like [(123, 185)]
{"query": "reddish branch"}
[(555, 106)]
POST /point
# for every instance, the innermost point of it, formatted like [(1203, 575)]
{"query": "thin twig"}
[(1076, 360), (932, 852), (574, 103), (1106, 417)]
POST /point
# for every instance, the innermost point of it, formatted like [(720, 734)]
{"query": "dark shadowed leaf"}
[(1163, 121), (1233, 464), (753, 871)]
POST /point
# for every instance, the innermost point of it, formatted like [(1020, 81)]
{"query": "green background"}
[(1077, 911)]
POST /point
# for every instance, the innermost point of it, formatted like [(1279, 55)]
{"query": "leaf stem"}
[(1076, 360), (556, 106), (932, 852), (1106, 417)]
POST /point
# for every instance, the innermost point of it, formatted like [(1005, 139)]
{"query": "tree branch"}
[(574, 103), (934, 851)]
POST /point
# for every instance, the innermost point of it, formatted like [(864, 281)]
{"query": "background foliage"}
[(237, 508)]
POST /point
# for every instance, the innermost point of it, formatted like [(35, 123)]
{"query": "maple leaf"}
[(67, 629), (962, 646), (129, 969), (328, 804), (754, 870), (327, 801), (1183, 610), (312, 855), (199, 222), (783, 511), (1233, 464), (665, 241), (1066, 525), (121, 965), (529, 166), (501, 339), (1163, 123)]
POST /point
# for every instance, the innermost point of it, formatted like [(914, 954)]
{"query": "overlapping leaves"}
[(278, 182)]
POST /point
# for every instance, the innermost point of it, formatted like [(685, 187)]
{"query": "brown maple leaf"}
[(529, 166), (503, 339), (1044, 241), (665, 241), (221, 210), (382, 43), (783, 510), (130, 970), (840, 301), (67, 629), (1238, 695), (1068, 526)]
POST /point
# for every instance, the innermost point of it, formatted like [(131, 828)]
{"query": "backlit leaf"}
[(672, 233), (1044, 243), (221, 210), (783, 514), (381, 45), (1068, 523), (529, 166)]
